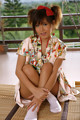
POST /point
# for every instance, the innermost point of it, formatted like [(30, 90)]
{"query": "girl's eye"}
[(44, 24)]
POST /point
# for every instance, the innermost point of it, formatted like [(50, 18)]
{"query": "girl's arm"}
[(52, 80), (20, 74), (24, 79)]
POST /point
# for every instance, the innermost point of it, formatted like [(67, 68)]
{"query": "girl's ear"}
[(53, 25)]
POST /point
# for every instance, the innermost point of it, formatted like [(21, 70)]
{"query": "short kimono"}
[(31, 49)]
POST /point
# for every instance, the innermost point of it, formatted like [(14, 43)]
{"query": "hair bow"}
[(49, 12)]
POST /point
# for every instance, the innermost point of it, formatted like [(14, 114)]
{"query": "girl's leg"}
[(55, 89), (31, 73), (46, 72), (37, 80), (33, 76)]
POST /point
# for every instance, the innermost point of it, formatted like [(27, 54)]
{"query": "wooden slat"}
[(65, 110), (77, 83), (11, 41), (12, 112), (71, 40), (70, 27), (17, 29)]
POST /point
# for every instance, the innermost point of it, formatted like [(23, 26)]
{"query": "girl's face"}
[(43, 29)]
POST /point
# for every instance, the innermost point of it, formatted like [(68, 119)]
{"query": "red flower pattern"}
[(24, 50), (59, 47)]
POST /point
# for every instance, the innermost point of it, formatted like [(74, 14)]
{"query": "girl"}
[(38, 65)]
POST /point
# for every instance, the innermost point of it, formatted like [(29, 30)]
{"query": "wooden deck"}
[(9, 109)]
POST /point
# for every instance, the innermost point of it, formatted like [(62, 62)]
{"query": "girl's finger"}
[(43, 98), (30, 106), (38, 107), (34, 107), (46, 90)]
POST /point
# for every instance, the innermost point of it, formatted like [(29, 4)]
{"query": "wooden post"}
[(61, 32)]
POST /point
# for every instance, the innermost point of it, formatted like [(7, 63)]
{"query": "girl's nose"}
[(41, 28)]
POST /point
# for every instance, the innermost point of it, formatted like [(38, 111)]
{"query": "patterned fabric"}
[(31, 48)]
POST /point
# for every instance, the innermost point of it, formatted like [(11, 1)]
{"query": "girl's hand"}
[(40, 93), (36, 102)]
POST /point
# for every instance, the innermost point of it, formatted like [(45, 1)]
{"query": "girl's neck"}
[(45, 39)]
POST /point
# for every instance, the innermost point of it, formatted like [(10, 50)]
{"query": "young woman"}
[(39, 64)]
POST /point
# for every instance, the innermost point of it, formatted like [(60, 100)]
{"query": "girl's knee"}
[(26, 67), (47, 66)]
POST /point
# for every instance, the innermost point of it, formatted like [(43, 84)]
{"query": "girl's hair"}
[(37, 16)]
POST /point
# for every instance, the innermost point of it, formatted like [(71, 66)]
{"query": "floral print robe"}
[(31, 49)]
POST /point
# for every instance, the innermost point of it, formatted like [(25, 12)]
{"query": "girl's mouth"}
[(43, 34)]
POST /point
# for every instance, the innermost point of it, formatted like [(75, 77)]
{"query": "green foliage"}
[(68, 20), (19, 35), (13, 8)]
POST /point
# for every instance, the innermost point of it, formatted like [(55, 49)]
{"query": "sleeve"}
[(61, 50), (23, 48)]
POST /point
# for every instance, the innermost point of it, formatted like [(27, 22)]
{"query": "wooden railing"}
[(61, 28)]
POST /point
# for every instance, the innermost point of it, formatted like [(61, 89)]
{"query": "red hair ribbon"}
[(49, 12)]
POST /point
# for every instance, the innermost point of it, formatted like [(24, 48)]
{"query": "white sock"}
[(31, 115), (54, 104)]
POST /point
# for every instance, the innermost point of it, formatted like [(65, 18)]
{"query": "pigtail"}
[(57, 15), (31, 15)]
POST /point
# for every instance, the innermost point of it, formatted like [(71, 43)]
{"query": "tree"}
[(13, 8), (68, 20)]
